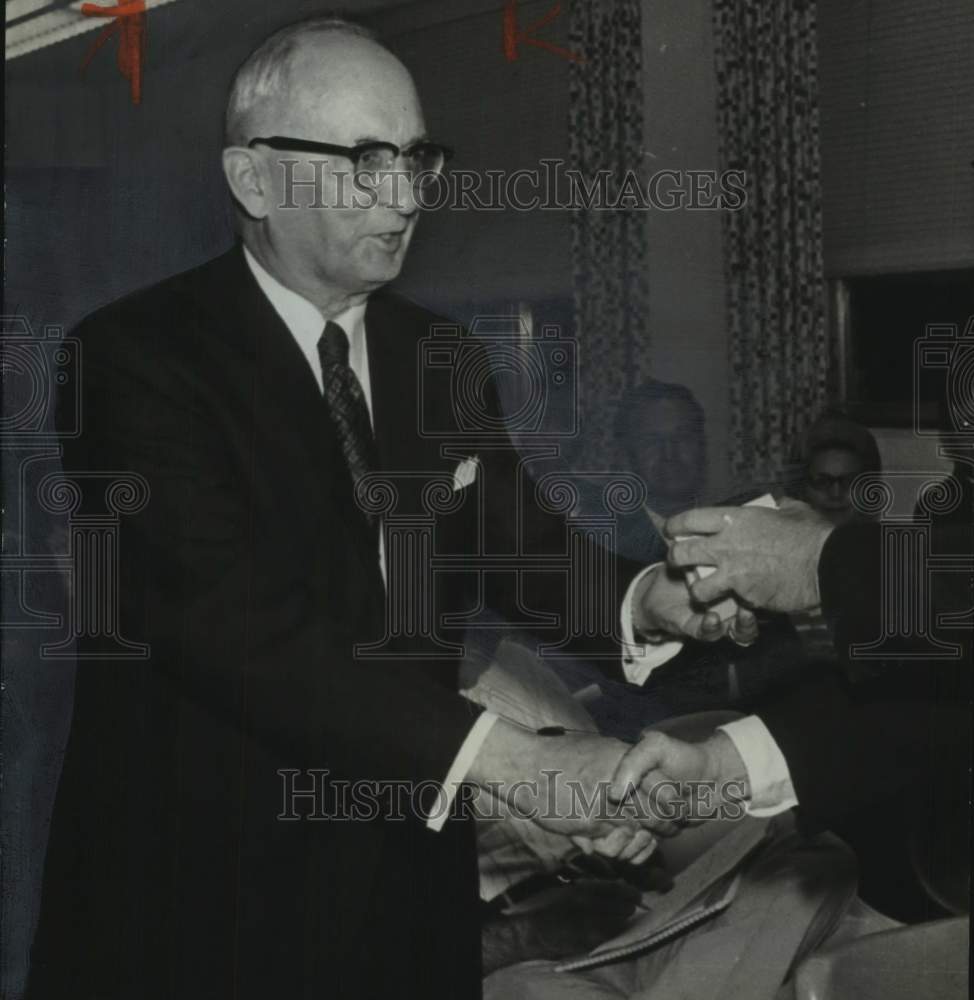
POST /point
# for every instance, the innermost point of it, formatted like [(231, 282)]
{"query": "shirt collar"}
[(305, 320)]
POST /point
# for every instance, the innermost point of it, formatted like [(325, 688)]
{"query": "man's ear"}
[(242, 168)]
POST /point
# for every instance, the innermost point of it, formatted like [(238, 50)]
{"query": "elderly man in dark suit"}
[(259, 396)]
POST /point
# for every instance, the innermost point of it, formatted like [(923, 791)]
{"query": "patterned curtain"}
[(609, 248), (767, 117)]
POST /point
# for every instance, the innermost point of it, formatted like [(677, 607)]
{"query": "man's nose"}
[(396, 191)]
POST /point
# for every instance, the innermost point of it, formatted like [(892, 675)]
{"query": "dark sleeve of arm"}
[(859, 733), (257, 649), (868, 588)]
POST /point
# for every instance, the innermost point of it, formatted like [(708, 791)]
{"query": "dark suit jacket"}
[(251, 573)]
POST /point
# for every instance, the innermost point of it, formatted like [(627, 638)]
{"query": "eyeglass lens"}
[(422, 162)]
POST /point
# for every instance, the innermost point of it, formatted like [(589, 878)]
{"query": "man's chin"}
[(380, 272), (374, 278)]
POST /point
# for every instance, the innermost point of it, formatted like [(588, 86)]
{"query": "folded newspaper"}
[(701, 891)]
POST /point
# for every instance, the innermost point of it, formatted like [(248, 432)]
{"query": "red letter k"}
[(513, 37)]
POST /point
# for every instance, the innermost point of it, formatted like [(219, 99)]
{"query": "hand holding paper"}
[(766, 558), (666, 605)]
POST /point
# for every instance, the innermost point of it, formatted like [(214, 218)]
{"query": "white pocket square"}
[(465, 473)]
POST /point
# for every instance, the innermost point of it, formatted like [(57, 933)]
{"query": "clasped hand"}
[(564, 784), (666, 605), (658, 786), (765, 558), (576, 799), (759, 558)]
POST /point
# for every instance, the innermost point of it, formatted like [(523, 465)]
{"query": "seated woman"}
[(836, 450)]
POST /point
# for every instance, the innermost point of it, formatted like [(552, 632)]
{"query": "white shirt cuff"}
[(458, 770), (639, 660), (772, 791)]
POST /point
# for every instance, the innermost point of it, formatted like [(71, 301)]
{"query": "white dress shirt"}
[(771, 789), (307, 324)]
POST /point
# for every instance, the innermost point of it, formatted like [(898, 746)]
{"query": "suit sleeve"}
[(871, 728), (255, 653)]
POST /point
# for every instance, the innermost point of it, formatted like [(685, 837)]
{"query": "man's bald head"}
[(290, 67), (329, 82)]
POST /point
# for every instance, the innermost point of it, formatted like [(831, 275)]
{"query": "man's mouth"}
[(390, 241)]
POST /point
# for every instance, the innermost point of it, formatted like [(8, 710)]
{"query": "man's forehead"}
[(351, 86)]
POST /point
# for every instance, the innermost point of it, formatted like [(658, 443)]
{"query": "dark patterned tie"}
[(346, 402)]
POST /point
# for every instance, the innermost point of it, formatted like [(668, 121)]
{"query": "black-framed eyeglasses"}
[(423, 160)]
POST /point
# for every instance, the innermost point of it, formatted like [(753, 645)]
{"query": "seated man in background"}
[(661, 427), (659, 437)]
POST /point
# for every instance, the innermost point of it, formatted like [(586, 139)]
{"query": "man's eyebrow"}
[(422, 137)]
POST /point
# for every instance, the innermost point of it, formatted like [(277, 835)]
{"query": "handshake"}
[(609, 797), (614, 799)]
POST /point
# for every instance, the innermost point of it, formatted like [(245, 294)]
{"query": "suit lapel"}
[(283, 394), (280, 375)]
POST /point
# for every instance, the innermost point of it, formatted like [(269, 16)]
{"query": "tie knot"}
[(333, 346)]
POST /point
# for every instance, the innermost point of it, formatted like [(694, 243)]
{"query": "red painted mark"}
[(129, 24), (513, 36)]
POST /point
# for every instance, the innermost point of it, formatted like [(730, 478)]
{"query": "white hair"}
[(264, 75)]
